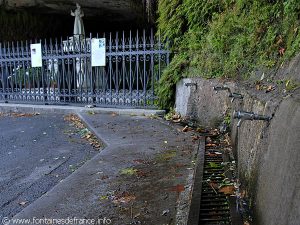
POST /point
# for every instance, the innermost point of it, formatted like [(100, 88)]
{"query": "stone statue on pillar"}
[(78, 23)]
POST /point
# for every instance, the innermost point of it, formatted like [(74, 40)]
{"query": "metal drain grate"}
[(214, 207)]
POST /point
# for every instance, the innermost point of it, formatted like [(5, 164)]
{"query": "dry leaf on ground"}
[(124, 197), (227, 190), (178, 188)]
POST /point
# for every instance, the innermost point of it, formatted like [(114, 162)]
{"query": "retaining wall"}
[(267, 153)]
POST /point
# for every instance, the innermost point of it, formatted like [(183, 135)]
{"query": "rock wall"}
[(30, 19), (117, 10), (267, 153)]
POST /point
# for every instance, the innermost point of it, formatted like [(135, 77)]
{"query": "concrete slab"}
[(143, 176)]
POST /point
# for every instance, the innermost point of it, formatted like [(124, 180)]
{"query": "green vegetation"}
[(166, 156), (227, 119), (225, 38), (128, 171), (291, 85)]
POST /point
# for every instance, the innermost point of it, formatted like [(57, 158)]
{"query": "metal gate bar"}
[(134, 63)]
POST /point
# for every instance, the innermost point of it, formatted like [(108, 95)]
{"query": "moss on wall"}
[(227, 38)]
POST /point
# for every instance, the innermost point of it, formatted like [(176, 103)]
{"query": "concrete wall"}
[(201, 102), (278, 183), (268, 153)]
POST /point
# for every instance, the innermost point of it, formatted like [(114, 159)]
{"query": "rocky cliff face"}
[(30, 19), (117, 10)]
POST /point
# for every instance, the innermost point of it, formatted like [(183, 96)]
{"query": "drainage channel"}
[(214, 205), (213, 199)]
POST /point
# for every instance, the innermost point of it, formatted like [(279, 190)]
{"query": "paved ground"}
[(36, 153), (139, 178)]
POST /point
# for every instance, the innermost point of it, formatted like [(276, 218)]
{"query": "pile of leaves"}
[(23, 114), (18, 115), (84, 132)]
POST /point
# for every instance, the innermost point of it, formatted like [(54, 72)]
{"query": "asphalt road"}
[(36, 153)]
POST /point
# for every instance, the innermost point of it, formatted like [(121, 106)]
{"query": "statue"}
[(78, 23)]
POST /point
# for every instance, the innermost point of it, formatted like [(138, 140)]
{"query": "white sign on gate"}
[(98, 49), (36, 55)]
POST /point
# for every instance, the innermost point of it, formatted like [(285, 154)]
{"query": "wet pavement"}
[(140, 177), (36, 153)]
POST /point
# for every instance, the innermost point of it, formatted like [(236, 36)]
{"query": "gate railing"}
[(134, 63)]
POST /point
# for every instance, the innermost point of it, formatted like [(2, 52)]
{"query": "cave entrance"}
[(30, 19)]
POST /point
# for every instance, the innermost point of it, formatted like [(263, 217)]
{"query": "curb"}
[(93, 130), (8, 108), (193, 217)]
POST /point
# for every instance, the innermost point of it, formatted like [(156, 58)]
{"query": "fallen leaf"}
[(195, 138), (257, 87), (186, 129), (227, 190), (214, 185), (168, 155), (179, 165), (213, 165), (128, 171), (178, 188), (210, 145), (141, 173), (124, 197), (262, 77), (104, 177), (139, 161), (114, 114), (214, 132), (270, 88), (176, 120), (208, 140), (281, 51), (201, 130), (91, 113), (104, 197), (136, 215)]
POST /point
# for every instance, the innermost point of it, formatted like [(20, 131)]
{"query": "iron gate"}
[(134, 63)]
